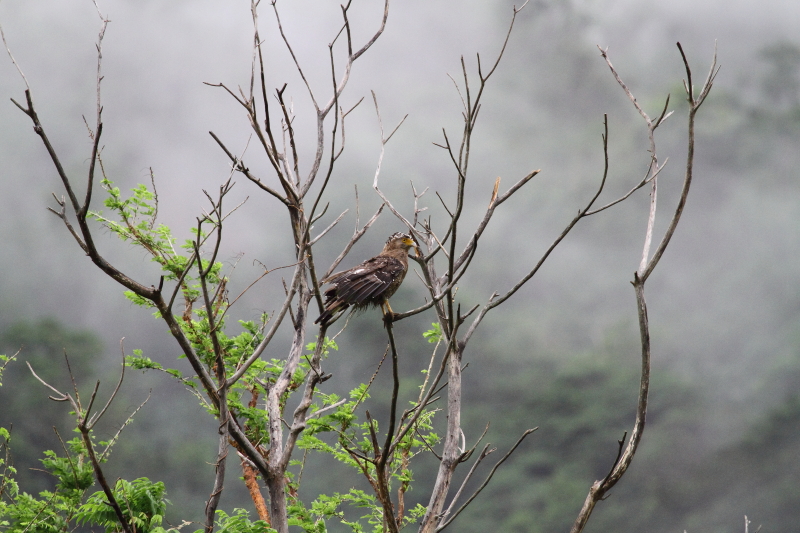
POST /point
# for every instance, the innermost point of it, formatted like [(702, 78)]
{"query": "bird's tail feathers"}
[(325, 318)]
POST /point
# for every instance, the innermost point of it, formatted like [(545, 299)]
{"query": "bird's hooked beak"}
[(409, 242)]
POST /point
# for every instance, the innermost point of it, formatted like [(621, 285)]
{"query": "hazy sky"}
[(157, 114)]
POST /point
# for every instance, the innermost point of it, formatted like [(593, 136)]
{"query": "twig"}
[(488, 478), (357, 234), (326, 230), (16, 65), (483, 455)]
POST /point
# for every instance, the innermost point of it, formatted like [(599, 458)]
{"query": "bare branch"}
[(93, 420), (268, 337), (384, 140), (505, 42), (16, 65), (61, 396), (494, 300), (647, 179), (219, 466), (141, 290), (292, 171), (294, 57), (122, 426), (326, 230), (695, 103), (101, 479), (357, 234), (239, 166), (315, 377), (387, 445), (396, 127), (493, 203), (342, 116), (483, 455), (99, 127), (601, 487), (330, 407), (488, 478), (377, 33), (243, 102), (85, 428), (62, 214), (621, 83), (354, 56)]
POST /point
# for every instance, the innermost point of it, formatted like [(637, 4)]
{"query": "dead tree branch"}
[(601, 487)]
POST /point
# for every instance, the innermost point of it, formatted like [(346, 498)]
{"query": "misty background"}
[(723, 435)]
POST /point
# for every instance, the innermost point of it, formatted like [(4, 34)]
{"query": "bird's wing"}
[(365, 281), (336, 275)]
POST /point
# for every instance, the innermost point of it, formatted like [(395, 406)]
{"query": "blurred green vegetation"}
[(581, 407), (26, 409)]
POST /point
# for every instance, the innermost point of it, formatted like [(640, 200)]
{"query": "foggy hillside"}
[(724, 303)]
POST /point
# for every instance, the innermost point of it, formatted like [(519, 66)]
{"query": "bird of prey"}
[(370, 283)]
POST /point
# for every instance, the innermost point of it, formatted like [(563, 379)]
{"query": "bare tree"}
[(191, 296)]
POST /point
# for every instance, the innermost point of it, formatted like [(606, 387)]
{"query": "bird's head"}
[(400, 241)]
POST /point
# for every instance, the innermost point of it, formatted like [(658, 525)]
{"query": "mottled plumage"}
[(372, 282)]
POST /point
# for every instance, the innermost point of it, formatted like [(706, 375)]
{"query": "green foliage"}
[(55, 511), (239, 522), (24, 405), (351, 439), (325, 507), (338, 432), (73, 472), (142, 502), (327, 346), (434, 334), (140, 362), (4, 361), (137, 225)]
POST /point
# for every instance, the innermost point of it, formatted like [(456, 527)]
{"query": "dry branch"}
[(601, 487)]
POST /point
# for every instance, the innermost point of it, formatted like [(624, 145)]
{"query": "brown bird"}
[(372, 282)]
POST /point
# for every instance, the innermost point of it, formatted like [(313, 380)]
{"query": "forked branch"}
[(601, 487), (85, 424)]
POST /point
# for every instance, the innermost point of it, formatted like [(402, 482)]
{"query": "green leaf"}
[(434, 334)]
